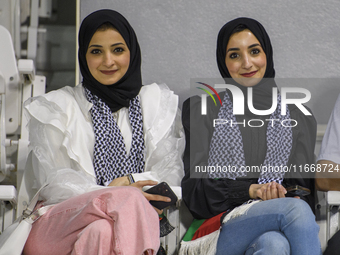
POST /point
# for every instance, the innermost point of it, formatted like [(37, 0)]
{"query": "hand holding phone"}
[(297, 190), (162, 189)]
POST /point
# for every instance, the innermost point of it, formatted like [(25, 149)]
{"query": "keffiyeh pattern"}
[(226, 148), (110, 157)]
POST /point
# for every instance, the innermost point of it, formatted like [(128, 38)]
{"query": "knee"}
[(300, 209), (129, 200), (301, 213), (98, 230), (272, 242), (135, 195)]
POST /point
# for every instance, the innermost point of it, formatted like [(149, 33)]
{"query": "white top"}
[(330, 147), (62, 141)]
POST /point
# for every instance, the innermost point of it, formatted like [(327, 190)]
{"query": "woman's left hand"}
[(271, 190), (274, 190)]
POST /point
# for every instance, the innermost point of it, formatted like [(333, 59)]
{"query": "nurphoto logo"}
[(238, 104)]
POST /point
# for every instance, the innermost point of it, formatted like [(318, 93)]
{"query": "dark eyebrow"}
[(115, 44), (233, 49), (251, 46), (100, 46), (254, 45)]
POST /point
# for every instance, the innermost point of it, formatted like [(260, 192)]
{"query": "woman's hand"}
[(124, 181), (121, 181), (149, 197), (267, 191)]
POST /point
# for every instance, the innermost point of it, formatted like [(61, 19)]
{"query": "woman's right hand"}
[(267, 191), (149, 197), (120, 181)]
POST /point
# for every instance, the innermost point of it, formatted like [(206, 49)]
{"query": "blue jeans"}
[(277, 226)]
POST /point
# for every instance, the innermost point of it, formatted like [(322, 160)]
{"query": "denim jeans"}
[(277, 226)]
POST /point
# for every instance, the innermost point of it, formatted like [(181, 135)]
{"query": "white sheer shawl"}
[(62, 140)]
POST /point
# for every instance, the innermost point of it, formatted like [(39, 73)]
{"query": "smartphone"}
[(162, 189), (297, 190)]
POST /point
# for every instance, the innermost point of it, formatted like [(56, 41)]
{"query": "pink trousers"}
[(116, 220)]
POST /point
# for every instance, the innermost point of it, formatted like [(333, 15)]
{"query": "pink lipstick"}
[(108, 72)]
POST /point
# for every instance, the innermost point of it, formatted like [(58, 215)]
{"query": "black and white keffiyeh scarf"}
[(226, 148), (110, 157)]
